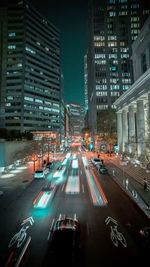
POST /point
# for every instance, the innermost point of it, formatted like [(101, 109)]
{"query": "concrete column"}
[(131, 129), (124, 130), (140, 127), (149, 113), (119, 131)]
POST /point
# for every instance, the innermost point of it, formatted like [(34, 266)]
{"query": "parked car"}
[(65, 241), (102, 169), (96, 161), (49, 164), (39, 174)]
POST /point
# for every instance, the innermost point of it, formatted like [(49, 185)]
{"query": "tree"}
[(106, 126)]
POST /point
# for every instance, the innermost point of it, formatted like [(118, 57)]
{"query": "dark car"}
[(65, 242), (102, 169), (49, 164), (145, 237)]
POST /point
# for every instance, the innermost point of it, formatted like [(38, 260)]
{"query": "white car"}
[(39, 174)]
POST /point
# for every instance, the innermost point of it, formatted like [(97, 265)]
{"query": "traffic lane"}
[(17, 208), (115, 214), (124, 216), (121, 203), (100, 246)]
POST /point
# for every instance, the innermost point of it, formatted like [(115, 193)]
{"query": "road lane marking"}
[(52, 224), (63, 187), (60, 216), (23, 252), (83, 188)]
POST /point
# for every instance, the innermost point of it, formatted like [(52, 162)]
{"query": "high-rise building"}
[(30, 82), (85, 84), (113, 26), (76, 112)]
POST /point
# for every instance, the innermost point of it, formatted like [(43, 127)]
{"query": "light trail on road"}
[(96, 191)]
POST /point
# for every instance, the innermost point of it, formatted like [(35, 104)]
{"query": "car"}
[(65, 241), (39, 174), (145, 237), (58, 174), (45, 195), (102, 169), (49, 164), (96, 161)]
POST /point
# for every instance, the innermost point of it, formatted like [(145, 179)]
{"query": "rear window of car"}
[(39, 172), (97, 160)]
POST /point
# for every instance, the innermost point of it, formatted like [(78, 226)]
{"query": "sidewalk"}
[(130, 177)]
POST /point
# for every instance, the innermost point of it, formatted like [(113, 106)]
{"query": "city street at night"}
[(74, 133), (109, 220)]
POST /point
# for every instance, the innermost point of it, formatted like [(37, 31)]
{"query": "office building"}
[(113, 26), (30, 92), (76, 122)]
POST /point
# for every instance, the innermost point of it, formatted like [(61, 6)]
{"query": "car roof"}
[(66, 223)]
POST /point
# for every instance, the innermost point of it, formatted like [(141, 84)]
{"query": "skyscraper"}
[(30, 89), (113, 26)]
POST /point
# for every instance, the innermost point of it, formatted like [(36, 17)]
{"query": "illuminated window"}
[(112, 38), (112, 13), (99, 56), (115, 94), (135, 25), (113, 68), (123, 13), (126, 87), (99, 38), (114, 87), (124, 55), (28, 49), (113, 56), (113, 80), (10, 98), (28, 98), (124, 49), (101, 93), (126, 80), (134, 19), (19, 65), (38, 100), (12, 34), (110, 44), (11, 47)]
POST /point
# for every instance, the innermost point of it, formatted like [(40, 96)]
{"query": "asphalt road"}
[(110, 221)]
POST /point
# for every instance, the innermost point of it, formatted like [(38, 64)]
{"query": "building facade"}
[(76, 122), (30, 92), (113, 26), (133, 107)]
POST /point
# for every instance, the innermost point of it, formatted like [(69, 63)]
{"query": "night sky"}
[(71, 18)]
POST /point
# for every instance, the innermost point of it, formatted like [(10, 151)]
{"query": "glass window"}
[(11, 46), (12, 34)]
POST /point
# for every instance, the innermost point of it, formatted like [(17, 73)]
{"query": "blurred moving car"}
[(42, 199), (39, 174), (58, 174), (102, 169), (65, 241)]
